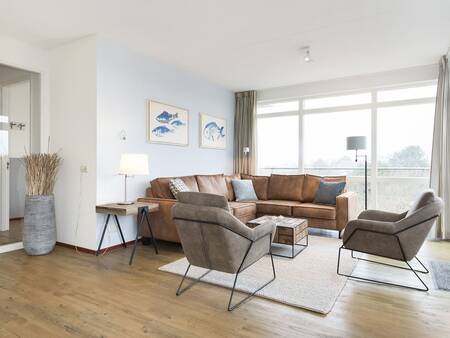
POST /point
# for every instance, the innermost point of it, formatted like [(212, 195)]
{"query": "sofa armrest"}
[(346, 209)]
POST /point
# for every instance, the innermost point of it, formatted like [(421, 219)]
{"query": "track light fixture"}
[(307, 56)]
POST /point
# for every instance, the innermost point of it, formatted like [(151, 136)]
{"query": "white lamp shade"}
[(356, 143), (133, 164)]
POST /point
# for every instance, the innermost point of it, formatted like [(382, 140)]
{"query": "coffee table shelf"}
[(289, 233)]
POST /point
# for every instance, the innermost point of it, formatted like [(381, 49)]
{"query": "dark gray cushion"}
[(244, 190), (328, 191)]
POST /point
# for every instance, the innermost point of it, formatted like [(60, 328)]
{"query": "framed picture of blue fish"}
[(167, 124), (213, 132)]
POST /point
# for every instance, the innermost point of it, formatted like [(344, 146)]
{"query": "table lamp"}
[(132, 165), (359, 143)]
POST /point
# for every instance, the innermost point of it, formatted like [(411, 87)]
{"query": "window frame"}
[(373, 106)]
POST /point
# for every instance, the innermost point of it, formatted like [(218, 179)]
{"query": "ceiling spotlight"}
[(307, 56)]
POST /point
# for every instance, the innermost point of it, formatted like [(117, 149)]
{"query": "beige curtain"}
[(244, 132), (440, 158)]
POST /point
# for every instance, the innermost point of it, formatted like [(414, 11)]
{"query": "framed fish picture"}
[(213, 132), (167, 124)]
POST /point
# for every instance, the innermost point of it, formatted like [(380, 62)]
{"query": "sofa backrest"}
[(286, 187), (301, 188), (160, 186), (312, 182), (260, 183)]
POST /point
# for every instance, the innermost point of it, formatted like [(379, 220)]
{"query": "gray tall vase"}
[(39, 229)]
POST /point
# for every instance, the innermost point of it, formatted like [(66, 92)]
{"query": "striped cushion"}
[(177, 185)]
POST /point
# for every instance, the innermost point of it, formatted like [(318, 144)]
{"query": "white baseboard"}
[(11, 247)]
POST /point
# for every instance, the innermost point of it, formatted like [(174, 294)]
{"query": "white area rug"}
[(308, 281)]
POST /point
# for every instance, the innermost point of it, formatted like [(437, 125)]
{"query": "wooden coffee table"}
[(290, 231)]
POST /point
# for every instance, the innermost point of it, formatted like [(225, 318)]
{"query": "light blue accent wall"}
[(125, 80)]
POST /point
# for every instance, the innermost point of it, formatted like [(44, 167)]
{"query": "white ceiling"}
[(248, 44)]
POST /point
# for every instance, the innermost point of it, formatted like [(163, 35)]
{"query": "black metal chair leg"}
[(103, 235), (124, 244), (196, 280), (232, 307), (382, 282)]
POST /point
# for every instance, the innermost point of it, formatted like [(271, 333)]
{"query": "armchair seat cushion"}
[(276, 207), (311, 210)]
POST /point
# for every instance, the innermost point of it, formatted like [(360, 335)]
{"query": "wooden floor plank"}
[(67, 294)]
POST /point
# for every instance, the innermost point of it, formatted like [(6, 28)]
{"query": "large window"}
[(309, 135)]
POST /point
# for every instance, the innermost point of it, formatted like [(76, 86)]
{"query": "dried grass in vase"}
[(41, 171)]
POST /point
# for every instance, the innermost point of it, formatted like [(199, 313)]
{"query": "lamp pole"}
[(365, 176)]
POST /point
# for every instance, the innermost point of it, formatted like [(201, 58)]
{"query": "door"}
[(15, 142)]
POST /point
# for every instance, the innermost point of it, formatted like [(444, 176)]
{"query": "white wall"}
[(125, 81), (396, 77), (73, 134)]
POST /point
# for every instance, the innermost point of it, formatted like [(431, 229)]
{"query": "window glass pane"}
[(325, 146), (404, 154), (277, 144), (337, 101), (277, 107), (406, 93)]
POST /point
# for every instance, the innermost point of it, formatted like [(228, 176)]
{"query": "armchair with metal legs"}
[(212, 238), (390, 235)]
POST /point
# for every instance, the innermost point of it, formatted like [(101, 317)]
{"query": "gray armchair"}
[(391, 235), (212, 238)]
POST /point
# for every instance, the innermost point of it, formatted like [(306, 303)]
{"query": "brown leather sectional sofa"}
[(287, 195)]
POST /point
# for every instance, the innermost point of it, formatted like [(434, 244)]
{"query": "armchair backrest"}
[(211, 236), (414, 228)]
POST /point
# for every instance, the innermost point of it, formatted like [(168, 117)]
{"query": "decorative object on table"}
[(213, 132), (142, 210), (359, 143), (167, 124), (131, 165), (289, 232), (328, 192), (177, 185), (394, 236), (39, 228), (244, 190)]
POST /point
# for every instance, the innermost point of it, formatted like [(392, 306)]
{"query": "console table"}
[(140, 209)]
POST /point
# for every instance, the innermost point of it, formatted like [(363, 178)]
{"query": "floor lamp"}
[(359, 143)]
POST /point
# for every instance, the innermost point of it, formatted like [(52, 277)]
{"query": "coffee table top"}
[(281, 221)]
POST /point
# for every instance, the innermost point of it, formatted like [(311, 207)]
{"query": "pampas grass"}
[(40, 172)]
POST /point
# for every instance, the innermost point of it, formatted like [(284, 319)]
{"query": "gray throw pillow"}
[(244, 190), (177, 185), (328, 191)]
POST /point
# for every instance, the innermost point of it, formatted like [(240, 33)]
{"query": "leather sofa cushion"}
[(312, 182), (260, 183), (212, 184), (286, 187), (243, 211), (228, 178), (160, 186), (275, 207), (311, 210)]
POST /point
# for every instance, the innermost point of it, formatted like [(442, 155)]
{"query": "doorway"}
[(19, 135)]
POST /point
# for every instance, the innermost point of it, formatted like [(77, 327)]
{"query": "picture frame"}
[(212, 131), (167, 124)]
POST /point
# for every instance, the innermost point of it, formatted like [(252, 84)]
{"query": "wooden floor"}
[(80, 295), (14, 234)]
